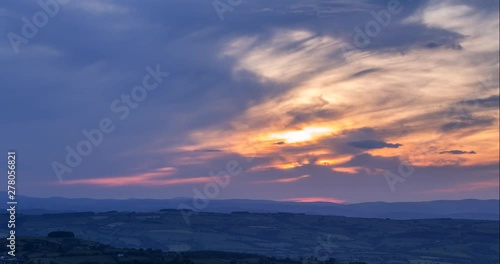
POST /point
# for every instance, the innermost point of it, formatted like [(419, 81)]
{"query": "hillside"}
[(283, 235), (45, 250), (456, 209)]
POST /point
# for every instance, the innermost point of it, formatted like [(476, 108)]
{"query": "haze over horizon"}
[(345, 101), (315, 200)]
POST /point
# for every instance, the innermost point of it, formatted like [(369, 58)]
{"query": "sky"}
[(337, 101)]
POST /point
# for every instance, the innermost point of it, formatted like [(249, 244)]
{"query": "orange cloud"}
[(349, 170), (155, 178), (270, 125), (315, 199), (358, 169), (333, 161), (303, 135), (285, 180)]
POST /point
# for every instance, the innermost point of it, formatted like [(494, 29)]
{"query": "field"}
[(46, 250), (283, 235)]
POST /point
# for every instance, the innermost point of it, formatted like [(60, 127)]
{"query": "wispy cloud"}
[(159, 177), (457, 152), (373, 144), (285, 180)]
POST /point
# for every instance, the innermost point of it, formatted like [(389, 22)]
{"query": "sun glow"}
[(304, 135)]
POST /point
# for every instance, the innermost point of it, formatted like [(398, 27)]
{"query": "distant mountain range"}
[(457, 209)]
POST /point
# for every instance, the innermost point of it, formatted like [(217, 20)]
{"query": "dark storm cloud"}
[(457, 152), (373, 144)]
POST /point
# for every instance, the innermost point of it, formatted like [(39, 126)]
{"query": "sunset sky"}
[(277, 94)]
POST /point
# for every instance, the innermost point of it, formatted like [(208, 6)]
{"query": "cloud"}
[(318, 111), (468, 122), (285, 180), (365, 72), (159, 177), (488, 102), (208, 150), (457, 152), (349, 170), (434, 45), (371, 162), (373, 144), (137, 180)]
